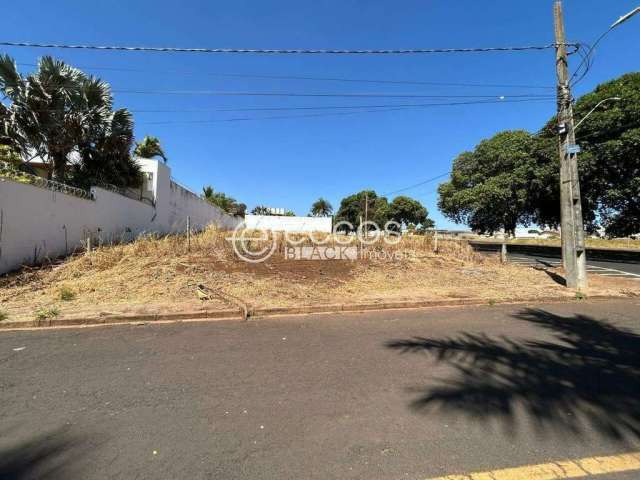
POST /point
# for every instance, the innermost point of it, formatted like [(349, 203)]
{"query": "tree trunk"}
[(59, 166)]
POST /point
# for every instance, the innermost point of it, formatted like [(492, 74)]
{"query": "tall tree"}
[(321, 208), (150, 147), (488, 189)]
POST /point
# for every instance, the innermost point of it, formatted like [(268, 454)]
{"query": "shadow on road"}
[(587, 377), (43, 457)]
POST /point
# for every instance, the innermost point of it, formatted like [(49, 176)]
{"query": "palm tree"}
[(223, 201), (46, 108), (107, 159), (321, 208), (58, 110), (150, 147)]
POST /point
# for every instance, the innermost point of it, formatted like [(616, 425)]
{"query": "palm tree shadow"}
[(588, 377), (46, 456)]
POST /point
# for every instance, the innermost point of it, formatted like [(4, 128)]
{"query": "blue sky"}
[(289, 163)]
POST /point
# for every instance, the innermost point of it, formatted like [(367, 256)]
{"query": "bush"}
[(3, 315), (46, 313)]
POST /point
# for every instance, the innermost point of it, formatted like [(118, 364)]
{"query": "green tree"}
[(523, 189), (321, 208), (609, 165), (150, 147), (352, 208), (407, 211), (403, 210), (489, 187), (224, 202)]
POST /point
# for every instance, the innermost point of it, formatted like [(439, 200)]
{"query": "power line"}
[(329, 107), (587, 59), (288, 51), (297, 77), (302, 94), (222, 93), (273, 117), (587, 62), (416, 185), (334, 107), (281, 117)]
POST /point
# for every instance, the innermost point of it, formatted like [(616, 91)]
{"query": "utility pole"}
[(573, 247), (366, 213)]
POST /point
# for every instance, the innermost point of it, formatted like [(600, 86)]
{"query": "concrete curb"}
[(260, 313), (124, 318)]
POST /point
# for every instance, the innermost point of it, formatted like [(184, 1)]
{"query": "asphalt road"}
[(390, 395), (600, 267)]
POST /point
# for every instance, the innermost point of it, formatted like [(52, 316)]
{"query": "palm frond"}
[(11, 82)]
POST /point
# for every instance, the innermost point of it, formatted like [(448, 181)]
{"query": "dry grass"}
[(159, 274)]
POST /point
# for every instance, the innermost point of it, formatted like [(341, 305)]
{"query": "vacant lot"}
[(163, 275)]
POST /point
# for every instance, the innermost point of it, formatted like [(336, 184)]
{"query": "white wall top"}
[(277, 223)]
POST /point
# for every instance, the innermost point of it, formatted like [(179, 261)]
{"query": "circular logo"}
[(246, 247)]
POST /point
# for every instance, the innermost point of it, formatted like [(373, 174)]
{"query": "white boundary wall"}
[(37, 223), (278, 223)]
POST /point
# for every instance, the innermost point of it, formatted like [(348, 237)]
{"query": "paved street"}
[(389, 395), (629, 270)]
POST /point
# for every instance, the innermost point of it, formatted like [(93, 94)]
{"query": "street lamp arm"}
[(615, 24), (614, 99), (626, 17)]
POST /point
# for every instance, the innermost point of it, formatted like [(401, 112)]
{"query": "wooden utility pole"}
[(572, 228)]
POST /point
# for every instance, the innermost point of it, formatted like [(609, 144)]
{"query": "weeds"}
[(155, 269), (581, 296), (47, 313), (3, 315), (66, 294)]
